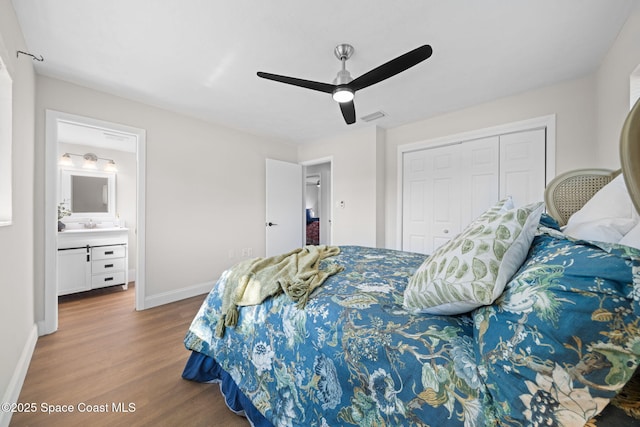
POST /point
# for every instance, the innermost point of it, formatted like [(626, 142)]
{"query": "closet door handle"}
[(271, 224)]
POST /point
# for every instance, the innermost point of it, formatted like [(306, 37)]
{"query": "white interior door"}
[(431, 206), (480, 175), (522, 166), (444, 201), (414, 196), (285, 207)]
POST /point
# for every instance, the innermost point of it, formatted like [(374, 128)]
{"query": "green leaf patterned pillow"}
[(472, 269)]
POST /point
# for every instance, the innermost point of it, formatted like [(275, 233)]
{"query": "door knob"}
[(271, 224)]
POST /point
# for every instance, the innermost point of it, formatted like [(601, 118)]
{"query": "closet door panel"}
[(480, 175), (417, 216), (444, 200), (431, 206), (522, 166), (445, 216), (414, 230)]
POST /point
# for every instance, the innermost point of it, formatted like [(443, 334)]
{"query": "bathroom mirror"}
[(88, 194)]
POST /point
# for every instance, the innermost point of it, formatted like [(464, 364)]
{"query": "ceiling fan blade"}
[(309, 84), (393, 67), (348, 112)]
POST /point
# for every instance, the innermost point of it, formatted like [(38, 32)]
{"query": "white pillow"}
[(607, 217), (473, 268), (632, 238)]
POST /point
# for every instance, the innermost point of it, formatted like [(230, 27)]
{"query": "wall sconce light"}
[(65, 160), (111, 166), (90, 161)]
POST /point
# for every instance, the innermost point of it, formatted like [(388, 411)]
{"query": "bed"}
[(518, 321)]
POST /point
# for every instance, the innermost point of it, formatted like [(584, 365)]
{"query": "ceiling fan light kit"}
[(343, 94), (344, 86)]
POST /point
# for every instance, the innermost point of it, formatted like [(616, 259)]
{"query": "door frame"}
[(50, 322), (543, 122), (319, 161)]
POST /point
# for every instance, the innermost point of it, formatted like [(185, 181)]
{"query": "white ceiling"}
[(200, 57)]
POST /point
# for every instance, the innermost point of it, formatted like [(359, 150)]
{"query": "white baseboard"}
[(12, 393), (177, 295)]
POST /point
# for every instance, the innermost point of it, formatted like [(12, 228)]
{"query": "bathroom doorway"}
[(317, 199), (68, 133)]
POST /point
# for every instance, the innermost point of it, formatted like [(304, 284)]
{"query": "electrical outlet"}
[(249, 251)]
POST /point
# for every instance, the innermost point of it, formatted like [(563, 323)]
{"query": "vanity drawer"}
[(107, 265), (108, 279), (108, 252)]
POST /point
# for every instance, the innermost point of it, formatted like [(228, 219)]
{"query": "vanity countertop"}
[(77, 237), (92, 230)]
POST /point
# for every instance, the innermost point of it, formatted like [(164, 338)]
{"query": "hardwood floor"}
[(105, 353)]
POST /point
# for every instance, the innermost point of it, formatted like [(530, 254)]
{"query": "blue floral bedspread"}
[(353, 355), (553, 350)]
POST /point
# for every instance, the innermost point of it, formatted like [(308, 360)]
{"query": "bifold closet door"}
[(445, 188), (431, 206)]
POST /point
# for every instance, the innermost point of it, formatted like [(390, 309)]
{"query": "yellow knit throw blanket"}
[(296, 273)]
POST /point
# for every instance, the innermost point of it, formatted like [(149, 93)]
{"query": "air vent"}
[(373, 116), (114, 136)]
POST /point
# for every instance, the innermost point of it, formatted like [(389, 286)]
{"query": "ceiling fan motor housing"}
[(343, 51), (342, 78)]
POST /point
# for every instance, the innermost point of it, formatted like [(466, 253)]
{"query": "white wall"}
[(573, 102), (205, 191), (355, 175), (612, 96), (18, 332)]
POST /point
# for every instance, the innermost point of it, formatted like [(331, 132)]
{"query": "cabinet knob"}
[(445, 231)]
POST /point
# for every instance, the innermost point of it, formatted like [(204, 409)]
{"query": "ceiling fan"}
[(344, 86)]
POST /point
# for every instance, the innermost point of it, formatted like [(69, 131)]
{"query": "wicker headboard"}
[(568, 192)]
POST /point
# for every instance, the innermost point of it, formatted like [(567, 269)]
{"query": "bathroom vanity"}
[(91, 258)]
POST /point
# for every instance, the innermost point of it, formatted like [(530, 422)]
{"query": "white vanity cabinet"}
[(92, 258), (74, 270)]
